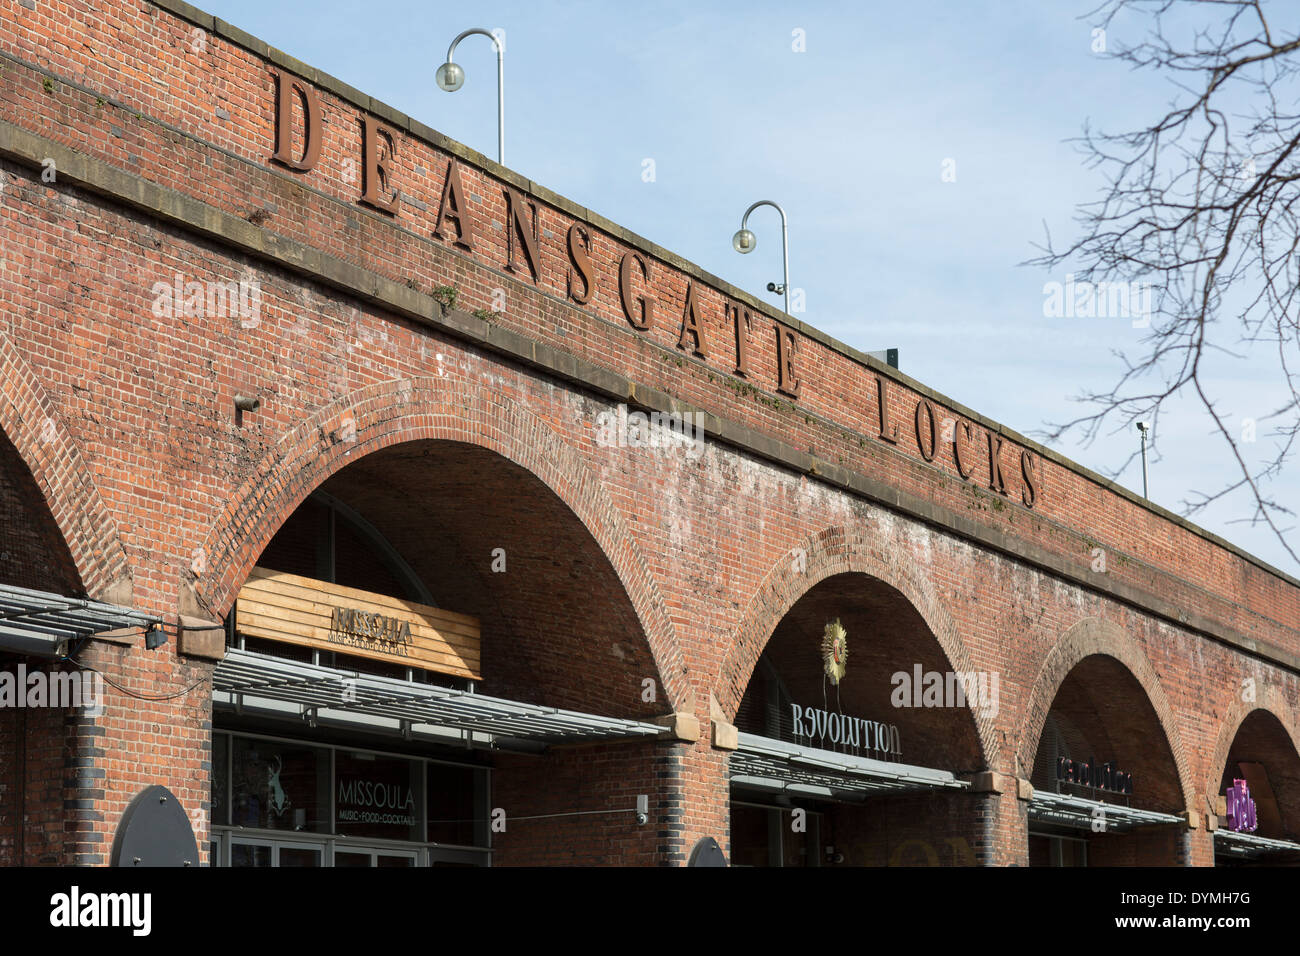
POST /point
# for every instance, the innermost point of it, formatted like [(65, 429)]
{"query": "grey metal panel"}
[(1078, 812), (247, 676), (31, 643), (762, 763), (1247, 844), (32, 622), (155, 831)]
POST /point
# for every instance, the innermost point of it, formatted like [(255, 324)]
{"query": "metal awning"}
[(41, 624), (1080, 813), (776, 766), (273, 686), (1250, 846)]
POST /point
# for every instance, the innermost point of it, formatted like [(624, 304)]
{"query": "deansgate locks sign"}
[(578, 262), (295, 610)]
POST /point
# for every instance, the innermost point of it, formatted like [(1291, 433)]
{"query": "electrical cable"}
[(130, 693)]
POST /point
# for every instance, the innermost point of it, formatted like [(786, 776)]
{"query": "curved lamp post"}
[(451, 77), (744, 242)]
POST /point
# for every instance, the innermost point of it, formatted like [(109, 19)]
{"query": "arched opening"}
[(483, 634), (1106, 785), (872, 770), (1258, 802), (33, 553), (34, 556)]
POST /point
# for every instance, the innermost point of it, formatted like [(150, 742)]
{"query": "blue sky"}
[(850, 135)]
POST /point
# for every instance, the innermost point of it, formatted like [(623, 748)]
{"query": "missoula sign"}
[(1088, 774), (373, 631), (375, 802), (457, 224), (823, 727)]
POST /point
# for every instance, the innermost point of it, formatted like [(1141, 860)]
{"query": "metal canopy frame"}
[(1249, 846), (776, 766), (248, 681), (42, 623), (1067, 810)]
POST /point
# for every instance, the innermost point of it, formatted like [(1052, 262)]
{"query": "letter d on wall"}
[(313, 121)]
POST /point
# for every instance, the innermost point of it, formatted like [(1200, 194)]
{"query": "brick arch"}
[(1086, 638), (839, 550), (65, 479), (449, 408), (1272, 701)]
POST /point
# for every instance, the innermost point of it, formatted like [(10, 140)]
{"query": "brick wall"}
[(571, 807), (32, 770), (629, 563)]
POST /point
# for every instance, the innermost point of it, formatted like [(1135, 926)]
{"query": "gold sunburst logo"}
[(835, 651)]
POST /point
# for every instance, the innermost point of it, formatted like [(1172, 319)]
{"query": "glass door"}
[(374, 857), (248, 852), (442, 856), (252, 853)]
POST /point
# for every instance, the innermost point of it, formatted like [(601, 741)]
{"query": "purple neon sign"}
[(1241, 808)]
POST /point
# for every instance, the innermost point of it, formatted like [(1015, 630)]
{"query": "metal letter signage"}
[(1241, 808), (1105, 777), (643, 315), (454, 209), (377, 178), (313, 121), (587, 258), (374, 631), (787, 380), (822, 727), (692, 324)]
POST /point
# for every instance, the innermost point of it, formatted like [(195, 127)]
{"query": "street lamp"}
[(744, 242), (1144, 427), (451, 77)]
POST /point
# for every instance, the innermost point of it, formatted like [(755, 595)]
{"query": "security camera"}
[(771, 287), (1144, 427)]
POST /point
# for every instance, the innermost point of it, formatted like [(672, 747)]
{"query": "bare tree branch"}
[(1202, 204)]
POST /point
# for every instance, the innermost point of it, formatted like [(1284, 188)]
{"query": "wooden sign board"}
[(286, 607)]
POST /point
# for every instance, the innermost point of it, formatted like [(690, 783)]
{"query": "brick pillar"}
[(160, 733), (1197, 845), (705, 787), (1002, 809), (86, 843)]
